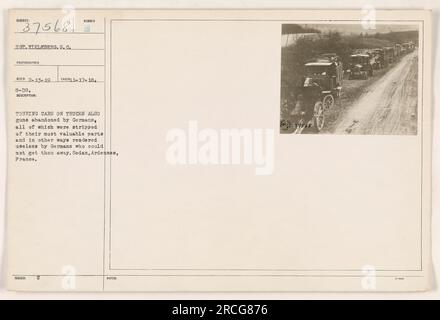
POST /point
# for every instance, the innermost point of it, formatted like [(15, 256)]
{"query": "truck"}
[(407, 47), (315, 93), (398, 50), (389, 55), (361, 66), (378, 61), (326, 71)]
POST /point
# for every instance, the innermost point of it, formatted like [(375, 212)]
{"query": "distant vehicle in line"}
[(389, 55), (398, 50), (360, 66), (379, 61), (408, 46)]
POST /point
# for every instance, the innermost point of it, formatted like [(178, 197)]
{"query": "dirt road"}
[(387, 106)]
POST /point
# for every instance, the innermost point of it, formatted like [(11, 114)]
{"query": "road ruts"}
[(388, 106)]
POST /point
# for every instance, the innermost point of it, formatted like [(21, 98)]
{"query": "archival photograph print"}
[(348, 79)]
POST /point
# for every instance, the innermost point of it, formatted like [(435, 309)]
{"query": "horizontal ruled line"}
[(219, 275), (65, 33), (59, 65), (24, 49), (60, 81)]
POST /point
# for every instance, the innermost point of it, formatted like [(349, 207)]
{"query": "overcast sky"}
[(357, 28)]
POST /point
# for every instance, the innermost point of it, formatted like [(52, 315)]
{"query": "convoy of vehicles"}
[(407, 47), (322, 83)]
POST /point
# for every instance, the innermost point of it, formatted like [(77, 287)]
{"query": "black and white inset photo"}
[(345, 79)]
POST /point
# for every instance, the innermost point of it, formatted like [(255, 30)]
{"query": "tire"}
[(318, 116), (285, 125), (328, 101)]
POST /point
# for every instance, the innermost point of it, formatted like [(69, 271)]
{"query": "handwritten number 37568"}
[(37, 27)]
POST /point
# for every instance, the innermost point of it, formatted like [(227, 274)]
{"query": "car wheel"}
[(328, 101), (319, 115)]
